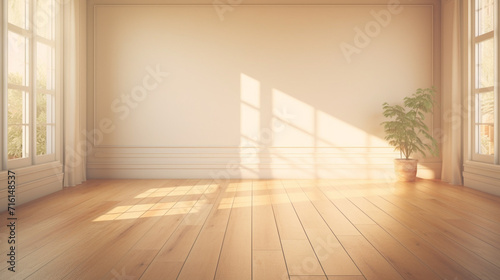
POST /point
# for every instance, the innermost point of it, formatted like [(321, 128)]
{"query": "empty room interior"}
[(250, 139)]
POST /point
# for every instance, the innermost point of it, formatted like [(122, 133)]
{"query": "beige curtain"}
[(74, 63), (452, 105)]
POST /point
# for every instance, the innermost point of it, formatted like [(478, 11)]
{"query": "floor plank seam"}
[(201, 229), (430, 243), (303, 228), (279, 235), (166, 241), (225, 232), (342, 245), (381, 253)]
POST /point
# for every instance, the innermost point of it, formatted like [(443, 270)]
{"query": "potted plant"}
[(408, 133)]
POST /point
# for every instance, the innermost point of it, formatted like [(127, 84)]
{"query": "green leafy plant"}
[(406, 129)]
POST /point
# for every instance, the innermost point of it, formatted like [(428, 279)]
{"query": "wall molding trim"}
[(216, 163)]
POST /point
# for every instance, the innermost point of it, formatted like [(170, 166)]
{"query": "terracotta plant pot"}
[(406, 169)]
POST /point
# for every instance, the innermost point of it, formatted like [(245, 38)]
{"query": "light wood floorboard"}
[(257, 229)]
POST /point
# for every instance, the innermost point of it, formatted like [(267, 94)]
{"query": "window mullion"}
[(32, 85), (19, 31), (46, 91), (18, 87), (483, 90), (45, 41), (484, 37), (496, 24), (473, 98)]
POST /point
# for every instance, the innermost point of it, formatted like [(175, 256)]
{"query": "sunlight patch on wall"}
[(249, 121), (299, 131), (250, 91), (250, 109), (337, 133)]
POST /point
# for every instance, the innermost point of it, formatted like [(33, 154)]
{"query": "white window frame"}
[(491, 159), (57, 87), (33, 158), (25, 161)]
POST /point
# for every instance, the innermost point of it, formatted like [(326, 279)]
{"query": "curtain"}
[(453, 112), (74, 91)]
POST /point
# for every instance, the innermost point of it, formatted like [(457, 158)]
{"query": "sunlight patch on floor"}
[(126, 212), (178, 191)]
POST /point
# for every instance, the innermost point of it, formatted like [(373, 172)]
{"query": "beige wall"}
[(253, 91)]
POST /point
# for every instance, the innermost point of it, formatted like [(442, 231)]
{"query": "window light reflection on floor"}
[(178, 191), (169, 205), (114, 215), (160, 202)]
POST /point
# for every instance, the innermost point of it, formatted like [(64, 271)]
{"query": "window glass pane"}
[(45, 66), (45, 104), (485, 139), (41, 109), (17, 139), (485, 120), (485, 70), (17, 123), (44, 18), (51, 108), (41, 120), (17, 60), (45, 130), (486, 108), (484, 16), (41, 140), (17, 11), (45, 135), (15, 108)]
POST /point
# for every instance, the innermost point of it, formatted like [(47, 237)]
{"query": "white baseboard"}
[(483, 177), (237, 163), (32, 182)]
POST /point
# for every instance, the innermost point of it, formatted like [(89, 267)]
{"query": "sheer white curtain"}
[(74, 96), (452, 105)]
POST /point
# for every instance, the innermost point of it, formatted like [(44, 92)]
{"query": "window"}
[(484, 81), (31, 81)]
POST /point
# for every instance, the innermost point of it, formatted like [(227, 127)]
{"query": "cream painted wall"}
[(258, 91)]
